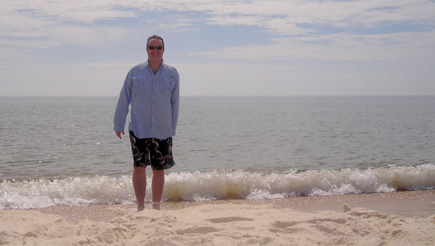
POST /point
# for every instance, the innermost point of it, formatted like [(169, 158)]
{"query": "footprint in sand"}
[(229, 219)]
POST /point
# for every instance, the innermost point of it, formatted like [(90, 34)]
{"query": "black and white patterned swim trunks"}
[(151, 151)]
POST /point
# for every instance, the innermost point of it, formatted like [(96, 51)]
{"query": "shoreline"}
[(301, 221), (403, 203)]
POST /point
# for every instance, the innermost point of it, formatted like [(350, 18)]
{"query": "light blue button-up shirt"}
[(154, 100)]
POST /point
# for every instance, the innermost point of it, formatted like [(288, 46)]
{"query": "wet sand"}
[(406, 203)]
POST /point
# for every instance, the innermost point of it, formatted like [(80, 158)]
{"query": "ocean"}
[(63, 151)]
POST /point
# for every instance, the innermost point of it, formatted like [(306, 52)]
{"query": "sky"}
[(220, 47)]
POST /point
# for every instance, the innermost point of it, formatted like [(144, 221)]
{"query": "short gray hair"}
[(156, 37)]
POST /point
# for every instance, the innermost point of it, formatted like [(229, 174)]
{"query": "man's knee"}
[(159, 172), (140, 171)]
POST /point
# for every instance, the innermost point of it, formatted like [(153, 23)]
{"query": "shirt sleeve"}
[(123, 105), (175, 102)]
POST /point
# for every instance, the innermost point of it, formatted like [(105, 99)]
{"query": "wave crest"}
[(216, 185)]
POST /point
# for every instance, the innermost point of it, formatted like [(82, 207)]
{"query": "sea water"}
[(63, 151)]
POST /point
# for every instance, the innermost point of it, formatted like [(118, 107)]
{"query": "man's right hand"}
[(119, 134)]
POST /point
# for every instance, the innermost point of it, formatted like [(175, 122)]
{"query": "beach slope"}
[(220, 224)]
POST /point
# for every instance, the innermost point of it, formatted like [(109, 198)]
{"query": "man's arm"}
[(175, 102), (122, 107)]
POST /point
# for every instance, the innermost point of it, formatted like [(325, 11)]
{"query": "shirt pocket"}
[(169, 84), (138, 83)]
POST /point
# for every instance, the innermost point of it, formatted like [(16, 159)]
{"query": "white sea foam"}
[(77, 191), (215, 185)]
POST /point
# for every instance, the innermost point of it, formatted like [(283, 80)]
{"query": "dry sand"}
[(399, 218)]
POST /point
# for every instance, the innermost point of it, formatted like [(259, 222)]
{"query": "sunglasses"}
[(151, 47)]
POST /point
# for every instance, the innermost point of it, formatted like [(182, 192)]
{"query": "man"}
[(152, 88)]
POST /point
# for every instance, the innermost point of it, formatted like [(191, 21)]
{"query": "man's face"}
[(155, 55)]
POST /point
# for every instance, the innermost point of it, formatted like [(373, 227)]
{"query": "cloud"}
[(360, 37), (336, 47), (42, 23), (74, 11), (46, 24), (279, 16), (283, 16), (89, 36)]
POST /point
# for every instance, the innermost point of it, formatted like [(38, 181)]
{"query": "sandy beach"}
[(399, 218)]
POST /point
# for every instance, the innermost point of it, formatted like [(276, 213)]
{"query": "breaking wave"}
[(215, 185)]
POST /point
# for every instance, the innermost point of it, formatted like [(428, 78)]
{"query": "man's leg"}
[(157, 187), (139, 185)]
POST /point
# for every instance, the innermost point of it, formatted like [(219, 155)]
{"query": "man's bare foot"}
[(140, 208), (156, 205)]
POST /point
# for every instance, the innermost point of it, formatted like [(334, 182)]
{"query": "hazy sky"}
[(231, 47)]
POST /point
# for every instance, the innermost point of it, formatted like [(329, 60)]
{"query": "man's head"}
[(155, 48), (156, 37)]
